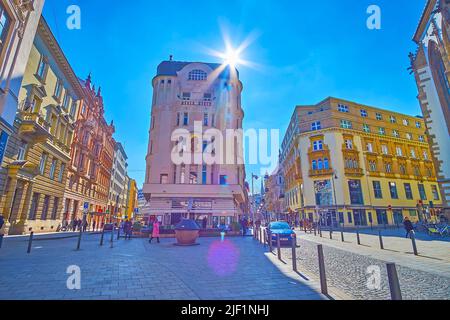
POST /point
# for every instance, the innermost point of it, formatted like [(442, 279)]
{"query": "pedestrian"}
[(85, 225), (205, 222), (244, 223), (93, 226), (2, 229), (155, 231), (128, 229), (408, 226)]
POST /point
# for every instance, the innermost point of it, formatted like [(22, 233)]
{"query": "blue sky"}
[(305, 51)]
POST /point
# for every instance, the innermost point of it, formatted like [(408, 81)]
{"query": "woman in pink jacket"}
[(155, 231)]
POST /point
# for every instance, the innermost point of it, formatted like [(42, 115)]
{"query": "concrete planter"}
[(187, 232)]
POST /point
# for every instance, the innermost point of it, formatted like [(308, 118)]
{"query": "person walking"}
[(408, 226), (2, 229), (128, 229), (244, 223), (155, 231), (93, 226), (204, 223)]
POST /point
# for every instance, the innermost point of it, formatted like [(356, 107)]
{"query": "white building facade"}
[(119, 180), (187, 96)]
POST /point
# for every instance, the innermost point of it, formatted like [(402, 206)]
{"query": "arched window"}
[(326, 164), (197, 75), (314, 165)]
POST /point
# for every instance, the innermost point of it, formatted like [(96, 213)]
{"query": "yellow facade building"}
[(38, 152), (347, 163), (132, 199)]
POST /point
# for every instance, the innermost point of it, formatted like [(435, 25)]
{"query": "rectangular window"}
[(423, 194), (22, 151), (204, 174), (364, 113), (345, 124), (316, 126), (318, 145), (393, 190), (393, 119), (435, 191), (366, 128), (42, 68), (421, 138), (55, 209), (408, 191), (405, 122), (207, 97), (66, 101), (350, 217), (73, 109), (396, 134), (356, 195), (186, 96), (379, 116), (377, 190), (43, 163), (205, 119), (349, 144), (61, 172), (164, 179), (384, 149), (5, 21), (369, 147), (186, 119), (382, 131), (418, 125), (53, 169), (45, 208), (223, 180), (343, 108), (58, 89), (34, 206)]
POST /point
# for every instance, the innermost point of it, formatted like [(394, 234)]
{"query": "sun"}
[(232, 57)]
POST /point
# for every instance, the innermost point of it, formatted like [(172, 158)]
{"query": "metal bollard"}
[(394, 285), (342, 235), (112, 238), (331, 234), (381, 240), (79, 239), (320, 231), (260, 233), (278, 246), (294, 253), (101, 239), (30, 242), (413, 240), (358, 238), (270, 241), (322, 273), (315, 232)]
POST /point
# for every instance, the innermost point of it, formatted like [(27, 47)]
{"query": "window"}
[(343, 108), (320, 164), (425, 155), (193, 177), (418, 125), (346, 124), (384, 149), (316, 126), (416, 171), (356, 195), (53, 169), (405, 122), (34, 206), (42, 68), (408, 191), (409, 136), (373, 166), (314, 164), (66, 101), (43, 163), (205, 119), (413, 153), (421, 138), (379, 116), (434, 190), (364, 113), (186, 96), (393, 190), (396, 134), (58, 89), (366, 128), (45, 206), (388, 167), (402, 169), (4, 26), (349, 144), (399, 151), (207, 97), (369, 147), (185, 119), (55, 209), (73, 109), (382, 131), (22, 150), (318, 145), (377, 189), (61, 172), (197, 75), (423, 194), (393, 119), (326, 164), (223, 180), (204, 174), (164, 179)]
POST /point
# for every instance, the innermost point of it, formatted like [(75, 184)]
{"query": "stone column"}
[(12, 185), (19, 226)]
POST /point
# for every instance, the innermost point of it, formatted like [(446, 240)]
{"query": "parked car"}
[(287, 235)]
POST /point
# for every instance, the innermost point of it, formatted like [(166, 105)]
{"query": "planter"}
[(187, 232)]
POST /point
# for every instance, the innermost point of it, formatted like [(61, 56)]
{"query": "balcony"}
[(355, 172), (33, 124), (320, 173)]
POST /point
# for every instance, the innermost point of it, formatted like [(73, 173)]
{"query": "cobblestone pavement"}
[(234, 269), (347, 271)]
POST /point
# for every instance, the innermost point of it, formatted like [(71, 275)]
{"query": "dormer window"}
[(197, 75)]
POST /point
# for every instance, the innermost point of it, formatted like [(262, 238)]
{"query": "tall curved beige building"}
[(188, 96)]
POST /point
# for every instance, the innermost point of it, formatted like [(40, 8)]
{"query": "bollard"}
[(79, 239), (358, 238), (394, 285), (322, 273), (381, 240), (260, 233), (30, 242), (342, 234), (278, 246), (265, 237), (315, 233), (331, 234), (270, 241), (294, 253), (112, 238), (101, 239), (320, 231), (413, 240)]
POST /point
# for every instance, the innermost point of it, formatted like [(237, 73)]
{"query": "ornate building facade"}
[(431, 68), (188, 95), (274, 198), (18, 24), (91, 159), (356, 164), (38, 153)]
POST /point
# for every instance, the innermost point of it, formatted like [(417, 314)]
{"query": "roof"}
[(170, 68), (423, 22)]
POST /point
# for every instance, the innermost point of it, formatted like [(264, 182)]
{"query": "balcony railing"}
[(354, 171), (321, 172)]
